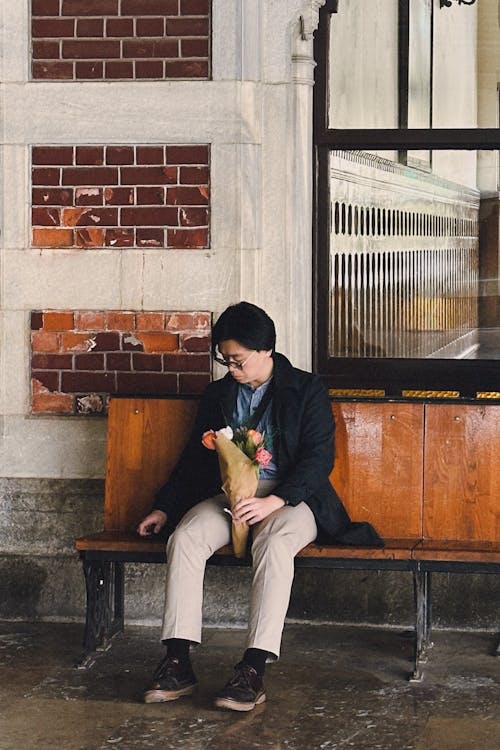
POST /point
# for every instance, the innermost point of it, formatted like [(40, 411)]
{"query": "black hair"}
[(247, 324)]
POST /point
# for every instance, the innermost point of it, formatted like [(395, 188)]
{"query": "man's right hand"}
[(153, 523)]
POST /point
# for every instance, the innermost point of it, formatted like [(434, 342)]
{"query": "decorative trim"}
[(488, 394), (431, 394), (356, 393)]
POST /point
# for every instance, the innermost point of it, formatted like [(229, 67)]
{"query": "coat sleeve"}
[(196, 474), (311, 457)]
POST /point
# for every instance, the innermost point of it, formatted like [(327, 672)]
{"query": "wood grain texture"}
[(145, 439), (379, 465), (462, 474)]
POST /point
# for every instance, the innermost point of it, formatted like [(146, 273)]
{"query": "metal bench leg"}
[(422, 591), (104, 581)]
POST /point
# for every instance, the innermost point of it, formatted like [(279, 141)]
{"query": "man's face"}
[(250, 366)]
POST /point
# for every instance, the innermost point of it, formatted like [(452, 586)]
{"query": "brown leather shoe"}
[(171, 680), (243, 692)]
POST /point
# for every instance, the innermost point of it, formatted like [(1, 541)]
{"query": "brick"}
[(76, 342), (191, 343), (187, 26), (149, 69), (42, 50), (49, 155), (58, 321), (49, 379), (90, 237), (194, 47), (186, 363), (131, 343), (187, 196), (107, 341), (149, 7), (119, 361), (119, 196), (89, 361), (146, 383), (120, 237), (146, 362), (36, 321), (193, 217), (119, 155), (120, 321), (186, 69), (45, 7), (89, 196), (187, 154), (179, 322), (193, 383), (150, 237), (149, 216), (150, 27), (150, 155), (46, 28), (52, 197), (156, 343), (90, 217), (84, 49), (119, 70), (52, 70), (90, 155), (150, 48), (45, 217), (42, 341), (52, 237), (92, 403), (83, 382), (150, 321), (90, 27), (90, 176), (149, 175), (188, 239), (52, 361), (120, 27), (195, 7), (150, 196), (89, 70), (90, 320), (194, 175), (52, 403), (89, 7), (45, 176)]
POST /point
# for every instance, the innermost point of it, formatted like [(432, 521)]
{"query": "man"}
[(293, 503)]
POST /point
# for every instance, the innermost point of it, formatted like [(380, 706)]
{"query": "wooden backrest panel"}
[(462, 474), (379, 465), (145, 438)]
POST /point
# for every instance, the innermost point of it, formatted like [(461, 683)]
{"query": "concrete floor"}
[(334, 688)]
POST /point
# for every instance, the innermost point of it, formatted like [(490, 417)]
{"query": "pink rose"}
[(263, 457), (255, 436)]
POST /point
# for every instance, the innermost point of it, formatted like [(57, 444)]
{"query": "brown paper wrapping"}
[(239, 480)]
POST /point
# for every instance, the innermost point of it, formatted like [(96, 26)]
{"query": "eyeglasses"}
[(231, 363)]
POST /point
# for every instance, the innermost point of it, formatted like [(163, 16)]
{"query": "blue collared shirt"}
[(247, 402)]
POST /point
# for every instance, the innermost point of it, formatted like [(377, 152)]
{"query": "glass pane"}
[(411, 63), (414, 257)]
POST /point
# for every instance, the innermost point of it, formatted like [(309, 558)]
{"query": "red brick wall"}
[(120, 196), (80, 357), (120, 39)]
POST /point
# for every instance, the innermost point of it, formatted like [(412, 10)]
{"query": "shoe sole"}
[(162, 696), (237, 706)]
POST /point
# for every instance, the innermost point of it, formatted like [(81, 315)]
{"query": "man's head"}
[(243, 339)]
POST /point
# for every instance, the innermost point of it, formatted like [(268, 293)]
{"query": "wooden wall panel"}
[(379, 465), (145, 439), (462, 475)]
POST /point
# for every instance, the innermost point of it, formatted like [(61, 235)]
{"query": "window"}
[(407, 290)]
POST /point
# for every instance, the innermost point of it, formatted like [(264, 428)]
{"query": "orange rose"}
[(254, 436), (208, 439)]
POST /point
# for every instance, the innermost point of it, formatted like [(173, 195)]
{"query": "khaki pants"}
[(276, 541)]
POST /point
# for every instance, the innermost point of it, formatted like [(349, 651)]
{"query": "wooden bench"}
[(424, 474)]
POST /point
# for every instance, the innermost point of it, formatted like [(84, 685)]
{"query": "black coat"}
[(303, 444)]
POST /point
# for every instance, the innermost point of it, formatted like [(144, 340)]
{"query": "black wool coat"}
[(303, 443)]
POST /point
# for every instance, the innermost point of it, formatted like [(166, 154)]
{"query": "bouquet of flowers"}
[(241, 454)]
